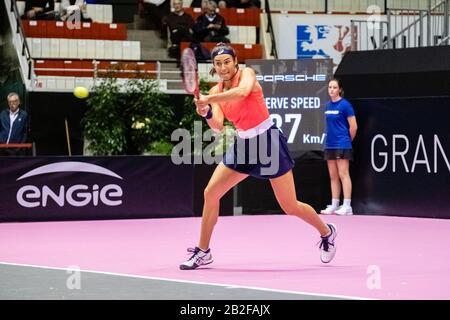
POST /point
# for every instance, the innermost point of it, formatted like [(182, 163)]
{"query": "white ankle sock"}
[(347, 203), (335, 203)]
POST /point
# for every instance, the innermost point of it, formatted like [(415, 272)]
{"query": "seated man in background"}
[(39, 10), (180, 26), (222, 4), (13, 126), (74, 7), (211, 26)]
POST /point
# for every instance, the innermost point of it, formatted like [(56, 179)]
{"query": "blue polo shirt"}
[(338, 134)]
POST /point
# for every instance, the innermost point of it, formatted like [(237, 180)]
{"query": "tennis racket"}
[(190, 72)]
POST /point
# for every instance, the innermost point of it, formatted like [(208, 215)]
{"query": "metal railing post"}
[(158, 71), (429, 24), (353, 46), (421, 30), (446, 21), (389, 19)]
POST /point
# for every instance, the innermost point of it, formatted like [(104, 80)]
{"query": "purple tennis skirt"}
[(265, 156)]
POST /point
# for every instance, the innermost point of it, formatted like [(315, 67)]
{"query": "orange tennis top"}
[(249, 112)]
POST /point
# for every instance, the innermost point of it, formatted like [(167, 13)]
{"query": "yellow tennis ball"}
[(81, 92)]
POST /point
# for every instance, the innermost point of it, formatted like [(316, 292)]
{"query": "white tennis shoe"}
[(329, 210), (344, 211), (327, 245), (198, 258)]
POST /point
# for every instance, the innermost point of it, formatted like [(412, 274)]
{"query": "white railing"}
[(404, 28), (67, 83), (19, 42), (368, 35), (84, 49)]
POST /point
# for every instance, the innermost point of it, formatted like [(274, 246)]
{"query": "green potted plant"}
[(132, 117), (103, 125)]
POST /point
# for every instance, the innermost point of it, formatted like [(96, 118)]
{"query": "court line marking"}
[(226, 286)]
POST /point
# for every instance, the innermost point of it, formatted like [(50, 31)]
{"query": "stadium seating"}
[(85, 30), (84, 49)]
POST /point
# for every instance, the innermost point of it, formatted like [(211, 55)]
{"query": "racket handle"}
[(209, 114)]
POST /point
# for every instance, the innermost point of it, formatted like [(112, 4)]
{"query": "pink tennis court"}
[(377, 257)]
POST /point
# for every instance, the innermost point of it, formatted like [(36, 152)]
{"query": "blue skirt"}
[(265, 156)]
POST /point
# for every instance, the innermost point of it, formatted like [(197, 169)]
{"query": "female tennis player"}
[(238, 97)]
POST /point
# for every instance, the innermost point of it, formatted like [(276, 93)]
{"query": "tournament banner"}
[(402, 157), (324, 35), (296, 93), (66, 188)]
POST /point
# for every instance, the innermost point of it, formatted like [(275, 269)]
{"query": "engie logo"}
[(77, 195), (291, 77)]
